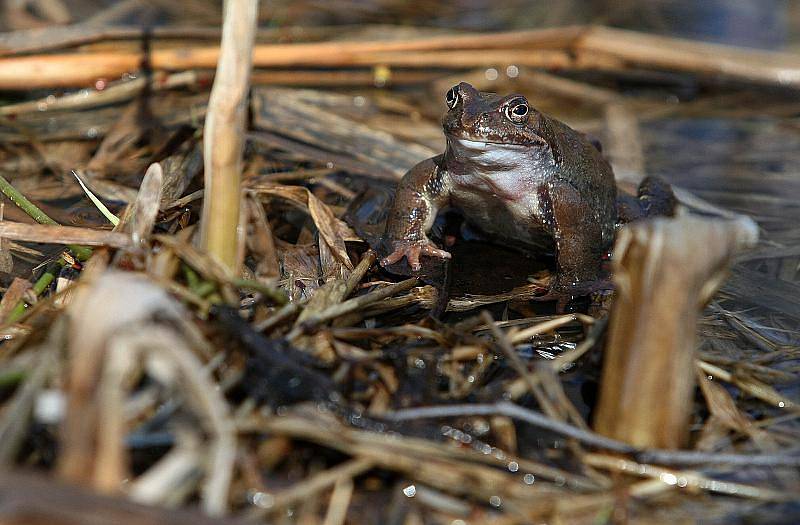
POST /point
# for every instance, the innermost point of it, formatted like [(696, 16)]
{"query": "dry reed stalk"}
[(52, 38), (665, 270), (80, 69), (679, 54), (579, 47), (223, 140), (351, 305), (340, 78)]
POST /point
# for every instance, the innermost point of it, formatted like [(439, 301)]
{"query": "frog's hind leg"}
[(577, 229)]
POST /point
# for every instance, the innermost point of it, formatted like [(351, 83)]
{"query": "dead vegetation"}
[(311, 387)]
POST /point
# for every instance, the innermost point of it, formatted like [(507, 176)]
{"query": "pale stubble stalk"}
[(224, 133)]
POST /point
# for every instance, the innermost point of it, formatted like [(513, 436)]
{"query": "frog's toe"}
[(412, 254), (393, 257), (435, 252), (410, 251)]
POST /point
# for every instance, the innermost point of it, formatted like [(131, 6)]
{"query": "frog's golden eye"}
[(452, 97), (517, 113)]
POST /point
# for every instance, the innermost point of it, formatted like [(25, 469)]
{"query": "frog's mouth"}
[(487, 152), (481, 145), (478, 145)]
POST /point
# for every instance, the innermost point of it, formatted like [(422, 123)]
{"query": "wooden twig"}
[(223, 140), (339, 503)]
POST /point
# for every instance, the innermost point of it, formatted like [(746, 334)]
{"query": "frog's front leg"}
[(419, 196)]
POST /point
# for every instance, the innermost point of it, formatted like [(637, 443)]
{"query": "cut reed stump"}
[(665, 272)]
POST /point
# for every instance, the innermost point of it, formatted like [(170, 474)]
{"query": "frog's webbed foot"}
[(412, 250)]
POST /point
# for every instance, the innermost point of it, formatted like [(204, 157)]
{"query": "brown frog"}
[(524, 179)]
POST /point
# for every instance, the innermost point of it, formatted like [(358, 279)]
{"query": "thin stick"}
[(23, 203), (790, 459), (686, 479), (590, 438), (513, 411), (118, 92), (224, 134), (359, 271)]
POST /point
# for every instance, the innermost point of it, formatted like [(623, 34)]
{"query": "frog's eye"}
[(452, 97), (517, 113)]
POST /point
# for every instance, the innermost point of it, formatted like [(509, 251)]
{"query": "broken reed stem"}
[(114, 93), (665, 271), (223, 135)]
